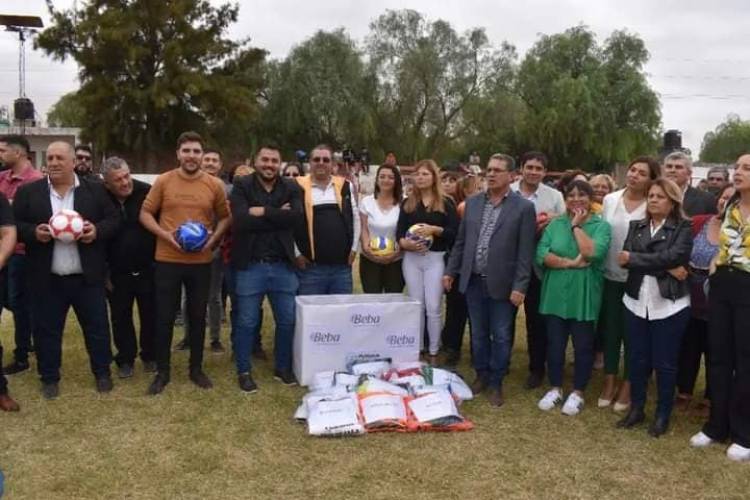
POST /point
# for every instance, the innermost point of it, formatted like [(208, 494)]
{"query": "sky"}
[(700, 64)]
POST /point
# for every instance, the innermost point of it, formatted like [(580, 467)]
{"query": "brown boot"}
[(8, 404), (478, 386), (496, 397)]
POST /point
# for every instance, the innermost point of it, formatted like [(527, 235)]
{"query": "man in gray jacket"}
[(492, 255)]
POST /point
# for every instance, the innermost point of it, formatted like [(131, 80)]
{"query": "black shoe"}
[(125, 371), (452, 358), (50, 391), (149, 366), (534, 380), (247, 384), (634, 417), (260, 354), (16, 367), (496, 398), (182, 345), (286, 377), (659, 427), (217, 348), (158, 385), (104, 384), (200, 379)]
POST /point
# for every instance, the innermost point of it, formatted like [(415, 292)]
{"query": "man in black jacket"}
[(63, 274), (265, 209), (131, 270), (678, 167)]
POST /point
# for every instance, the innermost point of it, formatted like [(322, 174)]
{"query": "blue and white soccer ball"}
[(191, 236)]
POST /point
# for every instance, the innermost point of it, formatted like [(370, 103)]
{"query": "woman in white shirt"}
[(657, 300), (380, 262)]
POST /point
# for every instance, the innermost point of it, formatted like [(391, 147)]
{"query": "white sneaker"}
[(550, 400), (700, 440), (738, 453), (573, 405)]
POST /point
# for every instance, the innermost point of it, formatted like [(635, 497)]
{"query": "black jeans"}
[(536, 335), (380, 278), (3, 380), (169, 279), (51, 304), (456, 315), (729, 343), (128, 289), (694, 345)]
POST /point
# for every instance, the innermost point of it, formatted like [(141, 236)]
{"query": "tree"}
[(66, 112), (315, 95), (725, 144), (587, 106), (151, 70), (424, 76)]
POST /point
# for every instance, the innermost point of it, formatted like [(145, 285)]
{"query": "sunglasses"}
[(289, 174), (319, 159)]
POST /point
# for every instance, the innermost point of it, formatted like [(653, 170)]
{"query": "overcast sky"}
[(700, 62)]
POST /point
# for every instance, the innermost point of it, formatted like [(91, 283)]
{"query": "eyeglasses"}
[(320, 159), (289, 174)]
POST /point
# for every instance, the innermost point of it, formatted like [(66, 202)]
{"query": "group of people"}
[(658, 270)]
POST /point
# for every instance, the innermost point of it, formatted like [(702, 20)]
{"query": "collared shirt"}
[(650, 304), (65, 257), (490, 215), (545, 199), (9, 184)]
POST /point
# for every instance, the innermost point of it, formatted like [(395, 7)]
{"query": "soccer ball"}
[(381, 246), (191, 236), (412, 235), (66, 225)]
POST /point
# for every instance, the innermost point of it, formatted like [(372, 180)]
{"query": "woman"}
[(602, 184), (423, 265), (729, 326), (456, 312), (657, 300), (380, 268), (619, 209), (695, 341), (292, 169), (572, 251)]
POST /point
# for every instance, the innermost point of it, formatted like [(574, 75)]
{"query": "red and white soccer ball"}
[(66, 225)]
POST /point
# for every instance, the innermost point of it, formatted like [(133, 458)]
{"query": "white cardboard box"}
[(332, 330)]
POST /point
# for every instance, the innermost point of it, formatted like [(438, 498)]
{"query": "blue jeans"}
[(491, 331), (655, 345), (279, 282), (558, 330), (16, 301), (325, 279)]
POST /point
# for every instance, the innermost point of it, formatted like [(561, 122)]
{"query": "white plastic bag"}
[(335, 417)]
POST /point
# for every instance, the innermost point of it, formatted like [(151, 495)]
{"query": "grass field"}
[(190, 443)]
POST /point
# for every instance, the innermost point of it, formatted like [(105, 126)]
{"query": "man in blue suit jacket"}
[(492, 256)]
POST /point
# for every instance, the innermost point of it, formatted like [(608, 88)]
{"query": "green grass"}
[(189, 443)]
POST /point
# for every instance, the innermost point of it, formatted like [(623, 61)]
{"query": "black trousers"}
[(536, 335), (729, 344), (694, 345), (456, 315), (169, 279), (3, 380), (127, 290), (380, 278)]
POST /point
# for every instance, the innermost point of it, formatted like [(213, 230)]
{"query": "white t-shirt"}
[(619, 220), (379, 223)]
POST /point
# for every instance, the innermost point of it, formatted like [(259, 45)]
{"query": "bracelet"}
[(574, 226)]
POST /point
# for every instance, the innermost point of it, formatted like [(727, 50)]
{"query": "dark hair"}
[(324, 147), (719, 169), (271, 146), (582, 186), (568, 177), (459, 196), (189, 136), (510, 163), (18, 141), (83, 147), (214, 151), (654, 168), (534, 155), (398, 188), (292, 164)]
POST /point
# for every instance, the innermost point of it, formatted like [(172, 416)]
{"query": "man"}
[(7, 245), (183, 194), (211, 164), (85, 162), (62, 274), (492, 255), (265, 209), (131, 270), (717, 177), (328, 236), (390, 159), (678, 167), (548, 203), (15, 155)]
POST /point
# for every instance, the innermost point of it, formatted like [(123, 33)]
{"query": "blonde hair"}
[(606, 178), (438, 202), (674, 193)]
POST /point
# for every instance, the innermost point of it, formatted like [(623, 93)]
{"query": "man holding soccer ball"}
[(65, 222), (186, 201)]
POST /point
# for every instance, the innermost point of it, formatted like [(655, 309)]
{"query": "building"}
[(41, 137)]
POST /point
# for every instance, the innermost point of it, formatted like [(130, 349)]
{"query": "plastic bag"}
[(383, 412), (374, 385), (371, 367), (335, 417), (437, 411)]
